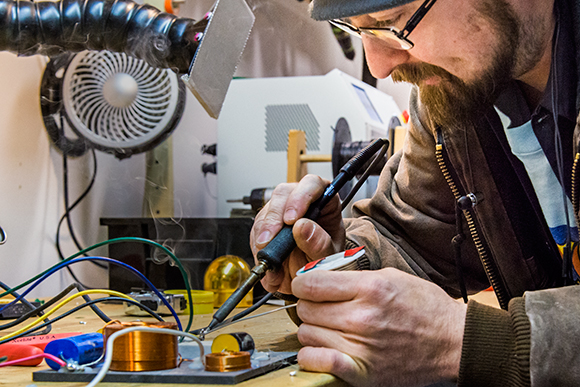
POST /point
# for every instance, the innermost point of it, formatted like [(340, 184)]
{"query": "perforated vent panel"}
[(280, 119)]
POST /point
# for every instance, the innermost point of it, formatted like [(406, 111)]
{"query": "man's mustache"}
[(418, 73)]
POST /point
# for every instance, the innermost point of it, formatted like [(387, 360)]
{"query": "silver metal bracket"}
[(219, 52)]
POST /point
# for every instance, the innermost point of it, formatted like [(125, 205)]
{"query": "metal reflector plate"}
[(218, 53)]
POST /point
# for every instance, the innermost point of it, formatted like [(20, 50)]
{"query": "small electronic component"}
[(81, 349), (227, 361), (143, 351), (202, 300), (16, 310), (233, 342), (153, 302)]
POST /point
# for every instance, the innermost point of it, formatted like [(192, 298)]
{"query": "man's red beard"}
[(449, 100), (453, 102)]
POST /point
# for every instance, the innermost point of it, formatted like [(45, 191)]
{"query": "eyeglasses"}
[(396, 39)]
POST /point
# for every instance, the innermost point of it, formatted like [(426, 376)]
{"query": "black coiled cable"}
[(140, 30)]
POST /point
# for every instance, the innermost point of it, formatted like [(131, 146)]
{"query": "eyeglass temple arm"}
[(416, 18)]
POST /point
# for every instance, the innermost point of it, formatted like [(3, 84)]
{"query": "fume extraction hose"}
[(140, 30)]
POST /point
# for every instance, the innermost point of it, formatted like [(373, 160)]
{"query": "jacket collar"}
[(575, 10)]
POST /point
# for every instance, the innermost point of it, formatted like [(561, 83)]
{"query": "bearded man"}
[(482, 193)]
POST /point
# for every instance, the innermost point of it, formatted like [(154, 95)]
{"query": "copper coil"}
[(143, 351), (227, 361)]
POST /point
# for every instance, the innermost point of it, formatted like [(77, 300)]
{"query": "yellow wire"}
[(62, 303)]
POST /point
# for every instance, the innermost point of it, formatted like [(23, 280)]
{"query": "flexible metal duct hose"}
[(48, 28)]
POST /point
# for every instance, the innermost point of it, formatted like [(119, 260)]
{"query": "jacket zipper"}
[(488, 265), (574, 189)]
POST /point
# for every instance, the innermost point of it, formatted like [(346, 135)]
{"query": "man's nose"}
[(382, 59)]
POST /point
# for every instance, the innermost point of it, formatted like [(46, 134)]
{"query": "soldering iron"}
[(271, 257)]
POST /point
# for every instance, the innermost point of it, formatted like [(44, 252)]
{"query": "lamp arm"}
[(140, 30)]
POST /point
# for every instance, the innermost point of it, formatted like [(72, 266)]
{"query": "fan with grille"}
[(120, 105), (112, 102)]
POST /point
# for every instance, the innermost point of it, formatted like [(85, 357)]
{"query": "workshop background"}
[(284, 42)]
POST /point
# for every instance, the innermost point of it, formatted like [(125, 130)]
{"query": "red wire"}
[(43, 355)]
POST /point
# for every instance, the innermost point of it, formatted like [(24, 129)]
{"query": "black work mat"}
[(182, 374)]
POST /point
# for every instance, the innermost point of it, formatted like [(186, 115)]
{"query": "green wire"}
[(118, 240)]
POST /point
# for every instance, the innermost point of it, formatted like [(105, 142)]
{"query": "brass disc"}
[(227, 361)]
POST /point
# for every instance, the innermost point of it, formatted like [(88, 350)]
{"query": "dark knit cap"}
[(334, 9)]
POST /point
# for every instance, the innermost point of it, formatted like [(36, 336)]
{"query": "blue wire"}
[(110, 260)]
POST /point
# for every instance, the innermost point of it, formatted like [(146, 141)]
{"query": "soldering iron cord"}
[(242, 314), (234, 320), (79, 307), (365, 176)]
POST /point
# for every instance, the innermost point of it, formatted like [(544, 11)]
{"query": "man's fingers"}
[(308, 190), (312, 239), (288, 203), (329, 361), (324, 286), (272, 281), (281, 279), (338, 316), (269, 220)]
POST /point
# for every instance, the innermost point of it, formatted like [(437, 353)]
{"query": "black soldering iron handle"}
[(279, 248), (276, 252)]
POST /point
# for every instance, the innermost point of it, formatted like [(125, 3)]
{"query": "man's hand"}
[(315, 240), (375, 328)]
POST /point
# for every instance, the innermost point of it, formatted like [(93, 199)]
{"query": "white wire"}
[(109, 350), (229, 321)]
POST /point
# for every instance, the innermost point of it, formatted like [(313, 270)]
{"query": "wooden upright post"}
[(296, 147), (297, 157)]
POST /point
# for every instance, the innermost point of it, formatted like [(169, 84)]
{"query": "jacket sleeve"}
[(496, 346), (554, 316), (534, 343), (410, 220)]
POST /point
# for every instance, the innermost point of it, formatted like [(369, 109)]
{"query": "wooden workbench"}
[(275, 332)]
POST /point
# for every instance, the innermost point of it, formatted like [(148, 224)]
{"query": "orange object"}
[(169, 7), (227, 361), (143, 351), (19, 351)]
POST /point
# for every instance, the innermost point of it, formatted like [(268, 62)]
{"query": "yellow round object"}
[(233, 342), (202, 300), (224, 275)]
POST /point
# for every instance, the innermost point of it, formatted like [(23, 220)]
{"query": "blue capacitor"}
[(82, 349)]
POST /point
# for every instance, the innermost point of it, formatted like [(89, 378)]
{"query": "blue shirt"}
[(532, 135)]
